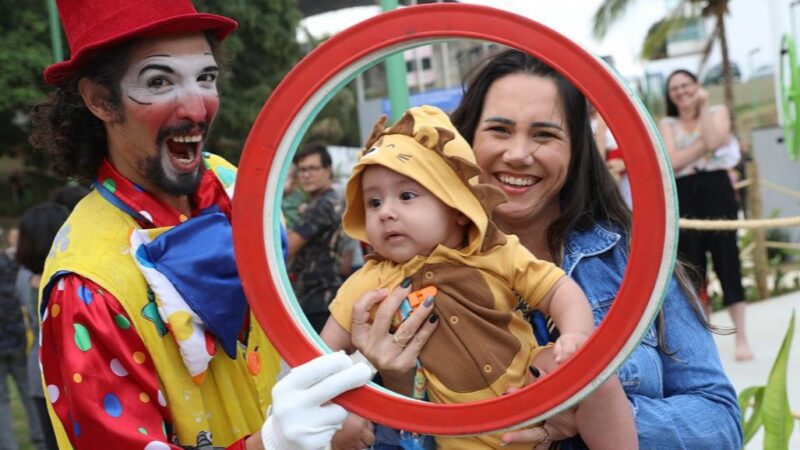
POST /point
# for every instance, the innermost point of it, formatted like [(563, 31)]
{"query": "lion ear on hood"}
[(377, 130), (490, 197), (463, 168), (403, 126)]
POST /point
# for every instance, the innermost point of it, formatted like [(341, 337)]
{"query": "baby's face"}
[(403, 219)]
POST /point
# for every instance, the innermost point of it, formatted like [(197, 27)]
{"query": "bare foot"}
[(743, 353)]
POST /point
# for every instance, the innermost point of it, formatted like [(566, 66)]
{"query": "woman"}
[(37, 228), (530, 132), (702, 151)]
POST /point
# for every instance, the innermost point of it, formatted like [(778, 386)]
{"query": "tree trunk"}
[(726, 68)]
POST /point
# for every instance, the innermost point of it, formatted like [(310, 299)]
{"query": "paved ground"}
[(767, 322)]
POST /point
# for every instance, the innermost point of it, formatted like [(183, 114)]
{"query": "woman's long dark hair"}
[(590, 195), (37, 229), (672, 109)]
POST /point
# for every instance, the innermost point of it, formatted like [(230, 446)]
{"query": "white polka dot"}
[(155, 445), (146, 215), (44, 317), (53, 393), (161, 400), (60, 285), (117, 368)]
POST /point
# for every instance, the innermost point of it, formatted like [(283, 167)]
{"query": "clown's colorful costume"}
[(482, 346), (120, 356)]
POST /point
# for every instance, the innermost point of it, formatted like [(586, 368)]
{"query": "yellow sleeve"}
[(532, 278), (363, 280)]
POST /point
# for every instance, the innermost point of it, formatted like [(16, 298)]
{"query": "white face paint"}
[(164, 78), (169, 100)]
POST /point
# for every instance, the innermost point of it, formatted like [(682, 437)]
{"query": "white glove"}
[(301, 417)]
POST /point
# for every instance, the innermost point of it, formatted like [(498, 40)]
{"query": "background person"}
[(702, 151), (314, 255), (37, 229), (13, 347), (130, 111)]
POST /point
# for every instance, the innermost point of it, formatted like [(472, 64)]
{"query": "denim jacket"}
[(680, 401)]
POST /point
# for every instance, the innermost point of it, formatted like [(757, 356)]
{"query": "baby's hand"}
[(566, 345)]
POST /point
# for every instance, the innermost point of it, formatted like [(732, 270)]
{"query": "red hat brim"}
[(59, 73)]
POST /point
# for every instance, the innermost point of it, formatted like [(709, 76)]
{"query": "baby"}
[(413, 198)]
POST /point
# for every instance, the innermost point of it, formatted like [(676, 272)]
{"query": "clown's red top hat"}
[(92, 26)]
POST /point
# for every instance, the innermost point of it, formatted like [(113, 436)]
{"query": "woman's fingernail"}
[(433, 318), (428, 301), (534, 371), (405, 283)]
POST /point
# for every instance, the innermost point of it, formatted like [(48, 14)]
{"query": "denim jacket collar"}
[(590, 242)]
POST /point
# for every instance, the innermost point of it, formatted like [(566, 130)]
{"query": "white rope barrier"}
[(697, 224)]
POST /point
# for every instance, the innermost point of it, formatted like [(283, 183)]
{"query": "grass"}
[(19, 417)]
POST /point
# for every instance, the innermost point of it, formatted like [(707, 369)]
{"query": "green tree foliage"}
[(259, 54), (25, 52)]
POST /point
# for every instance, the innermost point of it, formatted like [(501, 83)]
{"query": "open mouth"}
[(184, 151)]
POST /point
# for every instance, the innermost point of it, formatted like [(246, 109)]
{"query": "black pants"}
[(47, 426), (709, 195)]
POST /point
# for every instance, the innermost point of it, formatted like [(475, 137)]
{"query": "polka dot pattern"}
[(53, 393), (146, 215), (139, 357), (141, 430), (75, 427), (85, 294), (117, 368), (211, 346), (55, 310), (77, 378), (144, 398), (161, 400), (112, 405), (82, 338), (156, 445), (122, 321), (110, 184)]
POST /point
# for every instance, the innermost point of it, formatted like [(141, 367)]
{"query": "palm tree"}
[(612, 10)]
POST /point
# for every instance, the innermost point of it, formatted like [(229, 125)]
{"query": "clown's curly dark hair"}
[(64, 128)]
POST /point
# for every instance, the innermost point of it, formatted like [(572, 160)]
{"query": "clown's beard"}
[(173, 184)]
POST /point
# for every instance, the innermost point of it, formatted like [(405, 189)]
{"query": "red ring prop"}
[(654, 213)]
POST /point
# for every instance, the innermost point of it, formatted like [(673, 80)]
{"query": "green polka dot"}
[(122, 321), (143, 431), (110, 184), (82, 339), (164, 428)]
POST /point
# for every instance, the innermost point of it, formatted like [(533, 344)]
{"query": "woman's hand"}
[(700, 98), (394, 355), (356, 434), (559, 427)]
